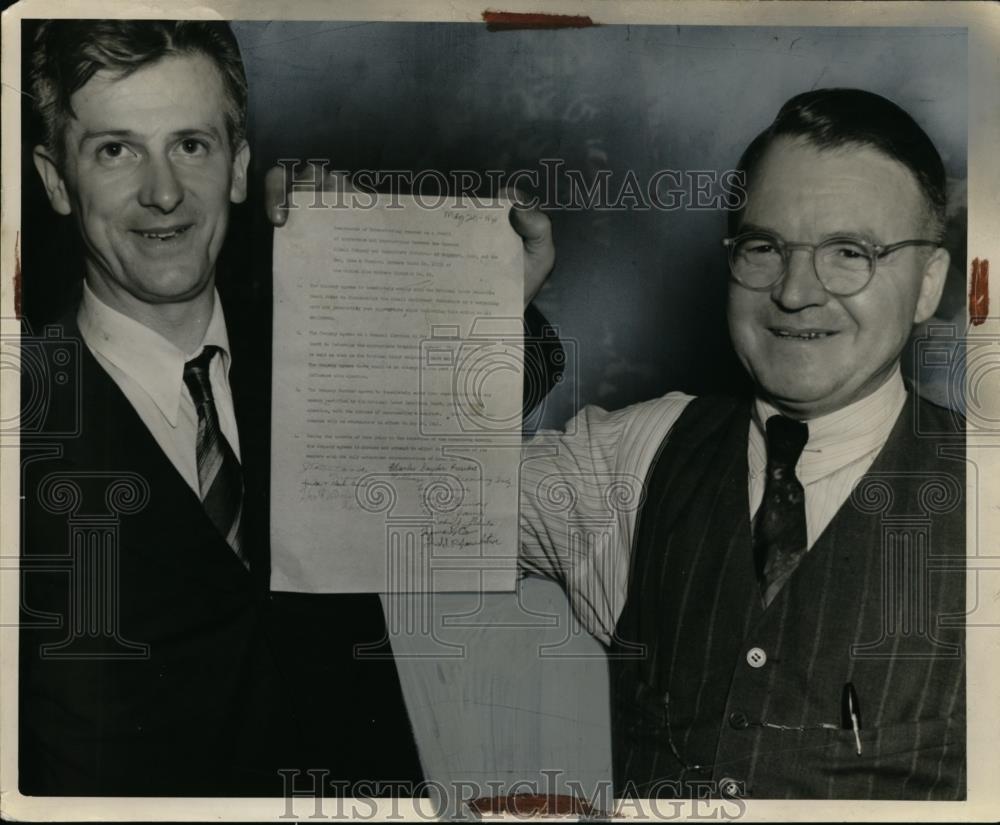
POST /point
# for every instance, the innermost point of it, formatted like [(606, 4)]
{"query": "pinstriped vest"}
[(713, 694)]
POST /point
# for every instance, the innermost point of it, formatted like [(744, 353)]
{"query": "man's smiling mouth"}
[(165, 234), (801, 334)]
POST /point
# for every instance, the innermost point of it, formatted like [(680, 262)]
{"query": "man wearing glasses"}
[(772, 630)]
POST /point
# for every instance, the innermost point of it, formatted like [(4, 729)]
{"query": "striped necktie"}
[(780, 540), (220, 478)]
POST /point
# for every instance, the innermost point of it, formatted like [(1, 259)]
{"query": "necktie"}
[(220, 478), (780, 540)]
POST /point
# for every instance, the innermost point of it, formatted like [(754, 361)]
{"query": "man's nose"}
[(161, 187), (801, 286)]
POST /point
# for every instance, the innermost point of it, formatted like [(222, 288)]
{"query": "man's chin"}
[(174, 284), (174, 292), (802, 400)]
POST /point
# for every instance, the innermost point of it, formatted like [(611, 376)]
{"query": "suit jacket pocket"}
[(922, 759)]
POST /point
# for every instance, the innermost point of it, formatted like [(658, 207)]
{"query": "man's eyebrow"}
[(207, 131), (102, 133), (127, 134), (864, 232)]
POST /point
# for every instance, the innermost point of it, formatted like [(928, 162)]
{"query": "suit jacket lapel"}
[(115, 430)]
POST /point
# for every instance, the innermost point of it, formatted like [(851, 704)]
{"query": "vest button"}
[(738, 720), (730, 787), (756, 657)]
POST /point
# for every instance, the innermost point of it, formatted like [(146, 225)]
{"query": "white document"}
[(396, 397)]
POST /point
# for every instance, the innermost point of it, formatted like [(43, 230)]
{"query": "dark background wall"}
[(638, 295)]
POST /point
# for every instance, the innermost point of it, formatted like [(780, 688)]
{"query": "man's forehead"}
[(177, 92), (799, 182)]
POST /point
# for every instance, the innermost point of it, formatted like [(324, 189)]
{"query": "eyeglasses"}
[(845, 265)]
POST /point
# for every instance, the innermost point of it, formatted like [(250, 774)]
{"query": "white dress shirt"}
[(149, 369), (581, 490)]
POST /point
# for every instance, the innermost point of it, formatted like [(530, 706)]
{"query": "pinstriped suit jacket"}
[(712, 692)]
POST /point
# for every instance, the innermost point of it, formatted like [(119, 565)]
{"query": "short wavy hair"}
[(833, 118), (68, 53)]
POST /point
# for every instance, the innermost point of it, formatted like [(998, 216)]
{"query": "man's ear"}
[(241, 161), (55, 186), (932, 284)]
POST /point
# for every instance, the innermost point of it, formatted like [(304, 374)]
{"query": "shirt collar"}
[(845, 435), (145, 356)]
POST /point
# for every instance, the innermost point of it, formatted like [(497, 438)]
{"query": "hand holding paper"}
[(528, 221)]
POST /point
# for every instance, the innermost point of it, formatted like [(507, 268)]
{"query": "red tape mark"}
[(979, 292), (532, 805), (497, 21)]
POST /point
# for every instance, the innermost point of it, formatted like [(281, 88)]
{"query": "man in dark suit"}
[(153, 659), (782, 594)]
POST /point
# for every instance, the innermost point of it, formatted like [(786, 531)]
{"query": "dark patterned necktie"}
[(220, 478), (780, 539)]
